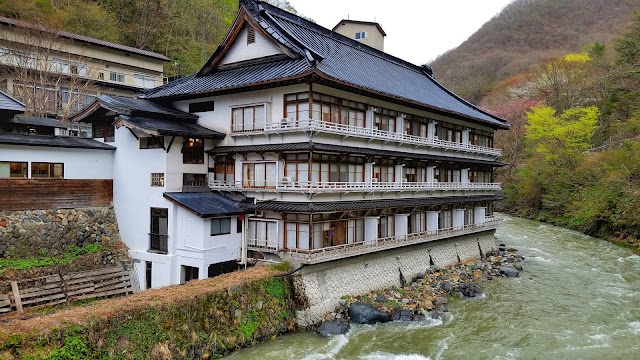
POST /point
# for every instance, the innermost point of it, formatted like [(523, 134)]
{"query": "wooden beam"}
[(16, 296), (170, 143)]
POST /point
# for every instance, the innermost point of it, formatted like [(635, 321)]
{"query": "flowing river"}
[(577, 298)]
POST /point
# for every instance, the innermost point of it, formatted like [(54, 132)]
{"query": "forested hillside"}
[(524, 33), (186, 31)]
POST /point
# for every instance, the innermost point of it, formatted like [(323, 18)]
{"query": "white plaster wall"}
[(241, 51), (78, 163), (175, 168), (324, 284)]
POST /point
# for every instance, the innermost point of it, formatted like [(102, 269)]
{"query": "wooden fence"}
[(43, 194), (48, 290)]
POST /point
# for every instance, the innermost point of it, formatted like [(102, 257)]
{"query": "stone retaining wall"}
[(320, 287), (24, 233)]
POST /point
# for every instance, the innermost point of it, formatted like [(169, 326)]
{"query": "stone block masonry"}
[(320, 287), (23, 234)]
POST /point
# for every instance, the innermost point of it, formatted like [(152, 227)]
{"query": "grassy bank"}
[(200, 320)]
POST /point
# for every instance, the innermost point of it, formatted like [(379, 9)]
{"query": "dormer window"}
[(361, 35), (251, 35)]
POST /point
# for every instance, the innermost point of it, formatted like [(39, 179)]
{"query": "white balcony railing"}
[(324, 187), (291, 125), (263, 245), (347, 250)]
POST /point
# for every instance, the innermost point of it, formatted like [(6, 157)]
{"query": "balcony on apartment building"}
[(78, 68), (288, 184), (355, 248)]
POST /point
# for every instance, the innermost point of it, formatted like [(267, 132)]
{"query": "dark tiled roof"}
[(7, 103), (251, 74), (307, 207), (207, 204), (82, 38), (345, 149), (135, 106), (170, 127), (53, 141), (334, 58), (37, 121)]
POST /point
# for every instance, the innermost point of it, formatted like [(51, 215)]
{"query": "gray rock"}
[(342, 302), (509, 271), (405, 301), (381, 299), (401, 315), (362, 313), (333, 327), (447, 286)]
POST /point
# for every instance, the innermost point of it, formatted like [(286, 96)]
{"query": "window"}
[(250, 118), (386, 226), (298, 235), (74, 100), (445, 219), (152, 142), (148, 271), (224, 169), (296, 106), (100, 76), (104, 130), (157, 179), (239, 224), (47, 170), (263, 234), (361, 35), (193, 151), (220, 226), (259, 175), (194, 180), (468, 216), (10, 169), (144, 81), (116, 77), (189, 273), (417, 223), (202, 106), (159, 230), (340, 111), (251, 35), (355, 231)]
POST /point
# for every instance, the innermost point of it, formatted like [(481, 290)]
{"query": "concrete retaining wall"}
[(319, 287)]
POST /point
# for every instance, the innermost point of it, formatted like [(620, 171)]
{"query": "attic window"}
[(251, 35), (203, 106), (361, 35)]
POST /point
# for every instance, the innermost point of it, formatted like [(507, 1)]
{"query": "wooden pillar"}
[(16, 296)]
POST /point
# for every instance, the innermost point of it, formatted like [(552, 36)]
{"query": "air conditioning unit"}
[(286, 122), (287, 180)]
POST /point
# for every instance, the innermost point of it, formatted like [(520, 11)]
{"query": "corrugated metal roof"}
[(345, 149), (248, 75), (311, 207), (53, 141), (8, 103), (207, 204), (82, 38), (170, 127), (37, 121)]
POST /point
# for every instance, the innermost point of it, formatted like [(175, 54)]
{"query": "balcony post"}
[(458, 218), (370, 229), (479, 215), (401, 222), (431, 130), (400, 124), (432, 220)]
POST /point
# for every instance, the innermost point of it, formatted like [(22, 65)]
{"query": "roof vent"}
[(427, 69), (251, 35)]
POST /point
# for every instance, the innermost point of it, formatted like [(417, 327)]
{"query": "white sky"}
[(417, 31)]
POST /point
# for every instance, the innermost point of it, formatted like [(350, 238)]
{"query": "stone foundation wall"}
[(24, 233), (319, 287)]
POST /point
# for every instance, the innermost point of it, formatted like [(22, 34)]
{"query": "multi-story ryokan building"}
[(294, 142)]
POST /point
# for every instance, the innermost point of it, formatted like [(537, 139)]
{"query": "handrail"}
[(327, 186), (328, 253), (343, 129)]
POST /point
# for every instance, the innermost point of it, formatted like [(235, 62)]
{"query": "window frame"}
[(50, 172), (193, 154), (157, 180), (151, 142), (24, 166), (225, 221)]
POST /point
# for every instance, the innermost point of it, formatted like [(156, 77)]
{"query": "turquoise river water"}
[(577, 298)]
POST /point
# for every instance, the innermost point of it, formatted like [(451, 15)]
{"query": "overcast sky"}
[(417, 31)]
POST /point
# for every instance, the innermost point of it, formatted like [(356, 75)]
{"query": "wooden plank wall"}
[(43, 194), (47, 291)]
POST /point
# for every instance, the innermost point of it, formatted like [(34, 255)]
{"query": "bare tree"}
[(47, 72)]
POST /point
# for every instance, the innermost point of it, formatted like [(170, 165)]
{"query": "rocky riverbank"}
[(424, 296)]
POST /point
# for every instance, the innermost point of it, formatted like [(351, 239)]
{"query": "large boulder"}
[(401, 315), (362, 313), (333, 327), (509, 271)]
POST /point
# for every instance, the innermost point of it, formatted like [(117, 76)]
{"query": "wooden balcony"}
[(263, 245), (328, 187), (291, 125), (354, 249)]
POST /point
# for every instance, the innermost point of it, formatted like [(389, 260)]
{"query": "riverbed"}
[(578, 297)]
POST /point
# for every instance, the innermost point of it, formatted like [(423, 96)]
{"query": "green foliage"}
[(71, 254), (283, 266), (249, 325), (277, 288), (75, 346)]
